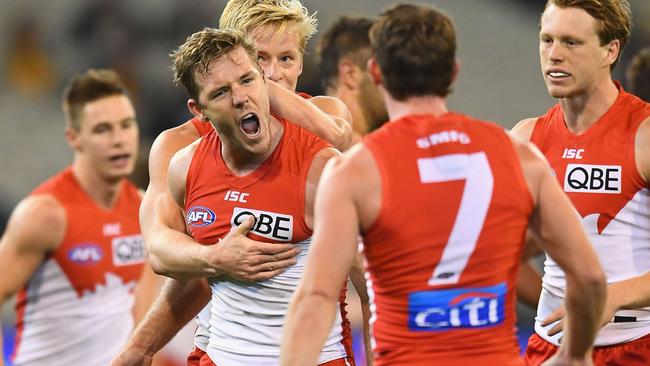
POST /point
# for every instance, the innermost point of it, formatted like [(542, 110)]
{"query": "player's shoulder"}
[(38, 221), (523, 130), (175, 138)]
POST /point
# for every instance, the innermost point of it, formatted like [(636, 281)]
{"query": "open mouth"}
[(250, 125), (558, 75), (120, 159)]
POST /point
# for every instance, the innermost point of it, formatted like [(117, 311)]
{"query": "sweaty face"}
[(107, 140), (233, 96), (572, 59), (279, 54)]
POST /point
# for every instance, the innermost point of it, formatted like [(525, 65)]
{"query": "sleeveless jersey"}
[(76, 307), (247, 318), (202, 332), (443, 253), (597, 171)]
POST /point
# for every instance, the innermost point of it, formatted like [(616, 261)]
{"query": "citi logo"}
[(200, 216), (86, 253), (588, 178)]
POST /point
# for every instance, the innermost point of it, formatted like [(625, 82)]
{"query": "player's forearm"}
[(177, 304), (529, 285), (630, 294), (177, 255), (585, 303), (295, 109), (311, 314)]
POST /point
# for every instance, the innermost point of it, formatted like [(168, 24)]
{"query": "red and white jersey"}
[(444, 251), (247, 318), (76, 308), (597, 170), (202, 332)]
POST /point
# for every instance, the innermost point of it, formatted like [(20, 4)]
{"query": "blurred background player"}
[(272, 167), (343, 52), (638, 74), (442, 290), (73, 247), (597, 140)]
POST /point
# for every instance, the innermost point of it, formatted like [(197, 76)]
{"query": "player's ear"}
[(196, 110), (375, 72), (348, 74), (72, 136)]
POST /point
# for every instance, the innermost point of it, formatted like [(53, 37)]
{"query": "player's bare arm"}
[(326, 117), (179, 302), (35, 228), (556, 224), (524, 129), (337, 206), (174, 253)]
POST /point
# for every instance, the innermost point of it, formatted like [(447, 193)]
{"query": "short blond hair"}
[(194, 56), (247, 15)]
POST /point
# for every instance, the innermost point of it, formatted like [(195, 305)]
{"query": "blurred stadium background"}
[(43, 43)]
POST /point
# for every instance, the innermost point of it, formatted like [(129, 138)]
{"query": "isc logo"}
[(458, 308), (235, 196), (199, 216), (86, 253), (128, 250), (589, 178), (268, 224)]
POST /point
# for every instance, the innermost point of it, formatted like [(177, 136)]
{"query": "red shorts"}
[(633, 353), (206, 361), (194, 357)]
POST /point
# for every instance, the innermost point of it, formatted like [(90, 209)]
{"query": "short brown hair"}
[(84, 88), (415, 47), (638, 74), (247, 15), (200, 49), (614, 18), (346, 38)]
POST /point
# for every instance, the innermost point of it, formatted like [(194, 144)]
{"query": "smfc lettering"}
[(443, 137), (268, 224), (589, 178)]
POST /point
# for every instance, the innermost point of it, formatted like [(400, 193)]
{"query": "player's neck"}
[(430, 104), (582, 111), (351, 100), (102, 191), (242, 161)]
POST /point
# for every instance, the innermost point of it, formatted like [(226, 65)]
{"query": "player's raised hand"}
[(243, 258)]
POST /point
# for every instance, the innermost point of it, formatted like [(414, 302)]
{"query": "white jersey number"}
[(477, 194)]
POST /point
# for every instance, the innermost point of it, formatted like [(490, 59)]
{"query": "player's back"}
[(444, 251)]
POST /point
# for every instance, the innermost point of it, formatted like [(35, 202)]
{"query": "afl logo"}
[(200, 216), (86, 253)]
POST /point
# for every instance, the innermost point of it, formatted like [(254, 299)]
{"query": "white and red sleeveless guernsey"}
[(443, 253), (247, 318), (76, 307), (202, 331), (598, 172)]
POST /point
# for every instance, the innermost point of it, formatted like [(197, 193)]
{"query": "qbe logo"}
[(200, 216), (128, 250), (589, 178), (86, 253), (439, 310), (268, 224)]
